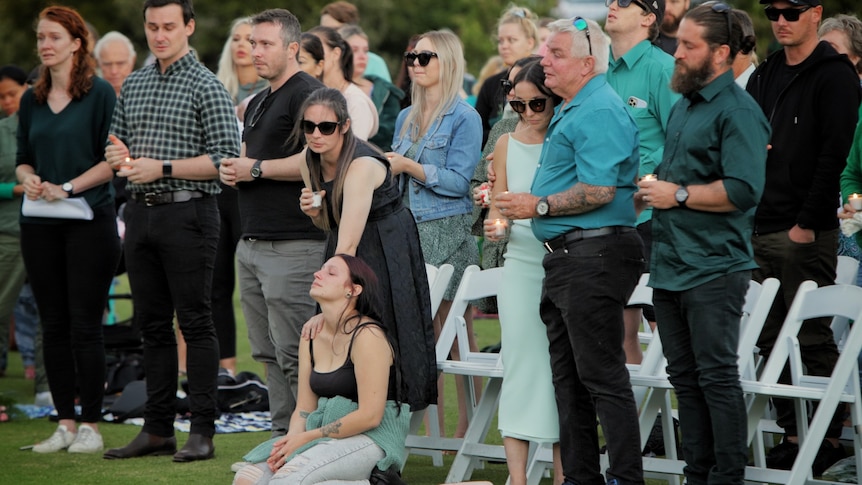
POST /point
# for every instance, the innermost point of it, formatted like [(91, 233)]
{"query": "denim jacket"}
[(448, 152)]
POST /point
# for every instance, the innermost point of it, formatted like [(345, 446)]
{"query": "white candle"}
[(855, 201), (485, 194), (500, 226), (316, 200), (127, 165)]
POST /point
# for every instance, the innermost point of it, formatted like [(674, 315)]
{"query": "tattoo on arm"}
[(581, 198), (304, 414), (332, 428)]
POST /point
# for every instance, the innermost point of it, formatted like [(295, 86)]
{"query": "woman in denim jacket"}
[(436, 146)]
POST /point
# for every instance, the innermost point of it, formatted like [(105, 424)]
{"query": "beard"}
[(670, 23), (687, 81)]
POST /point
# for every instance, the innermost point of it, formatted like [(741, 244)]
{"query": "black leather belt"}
[(576, 235), (161, 198)]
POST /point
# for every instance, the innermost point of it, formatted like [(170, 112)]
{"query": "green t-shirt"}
[(10, 207), (61, 146)]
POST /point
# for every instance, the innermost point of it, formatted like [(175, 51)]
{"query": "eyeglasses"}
[(424, 57), (506, 84), (723, 8), (581, 24), (326, 127), (626, 3), (790, 14), (536, 104)]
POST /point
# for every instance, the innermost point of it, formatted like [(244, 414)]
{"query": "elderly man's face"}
[(116, 63), (564, 73)]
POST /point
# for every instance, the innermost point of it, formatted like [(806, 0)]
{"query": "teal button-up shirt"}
[(718, 133), (642, 79), (594, 140)]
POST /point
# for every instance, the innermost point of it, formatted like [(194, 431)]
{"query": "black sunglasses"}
[(790, 14), (258, 111), (325, 127), (626, 3), (424, 57), (506, 85), (581, 24), (536, 104), (723, 8)]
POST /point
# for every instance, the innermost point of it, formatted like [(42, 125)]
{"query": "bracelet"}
[(167, 168)]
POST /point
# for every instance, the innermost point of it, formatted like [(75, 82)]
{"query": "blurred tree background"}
[(389, 24)]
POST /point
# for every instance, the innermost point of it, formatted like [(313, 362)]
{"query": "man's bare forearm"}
[(580, 199)]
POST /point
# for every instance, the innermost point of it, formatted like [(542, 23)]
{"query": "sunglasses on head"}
[(325, 127), (626, 3), (581, 24), (790, 14), (424, 57), (537, 105), (723, 8)]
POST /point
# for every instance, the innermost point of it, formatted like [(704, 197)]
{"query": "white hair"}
[(114, 36), (598, 41)]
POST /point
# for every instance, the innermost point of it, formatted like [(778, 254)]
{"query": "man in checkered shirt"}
[(173, 124)]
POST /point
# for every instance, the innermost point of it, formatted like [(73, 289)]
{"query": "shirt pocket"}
[(435, 151)]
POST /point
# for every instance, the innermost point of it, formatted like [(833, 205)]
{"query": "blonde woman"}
[(435, 150), (235, 66), (517, 38)]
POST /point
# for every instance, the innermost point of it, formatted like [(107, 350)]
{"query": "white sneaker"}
[(60, 440), (87, 441)]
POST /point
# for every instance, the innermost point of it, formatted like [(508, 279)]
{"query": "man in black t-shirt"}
[(280, 248)]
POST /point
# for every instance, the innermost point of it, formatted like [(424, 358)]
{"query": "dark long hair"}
[(83, 64), (332, 38), (534, 74), (333, 99)]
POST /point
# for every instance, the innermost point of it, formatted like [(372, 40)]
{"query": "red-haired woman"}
[(63, 127)]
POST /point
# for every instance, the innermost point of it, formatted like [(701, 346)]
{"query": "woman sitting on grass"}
[(348, 418)]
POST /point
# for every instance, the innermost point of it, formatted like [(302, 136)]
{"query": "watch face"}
[(542, 208), (681, 195), (67, 187), (255, 172)]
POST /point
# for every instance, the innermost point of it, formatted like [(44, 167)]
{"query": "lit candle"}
[(316, 200), (127, 165), (485, 194), (500, 226), (855, 201), (650, 177)]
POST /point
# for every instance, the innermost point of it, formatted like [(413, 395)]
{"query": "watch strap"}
[(167, 168)]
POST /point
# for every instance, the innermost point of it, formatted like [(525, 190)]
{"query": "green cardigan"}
[(851, 177), (390, 435)]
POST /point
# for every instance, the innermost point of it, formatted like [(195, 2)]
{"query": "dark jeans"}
[(699, 331), (224, 275), (793, 263), (583, 296), (170, 253), (70, 266)]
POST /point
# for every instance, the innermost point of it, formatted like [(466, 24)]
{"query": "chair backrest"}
[(846, 271), (438, 282), (475, 284), (843, 301), (758, 301)]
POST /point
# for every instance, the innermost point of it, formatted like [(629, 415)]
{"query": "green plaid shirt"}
[(183, 113)]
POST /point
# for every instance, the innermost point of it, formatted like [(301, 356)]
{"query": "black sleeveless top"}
[(342, 381)]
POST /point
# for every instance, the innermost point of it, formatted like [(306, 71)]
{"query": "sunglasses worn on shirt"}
[(326, 127), (790, 14), (424, 57), (537, 105)]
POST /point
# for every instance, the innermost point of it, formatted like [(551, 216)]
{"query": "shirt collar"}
[(712, 89), (634, 54), (180, 64)]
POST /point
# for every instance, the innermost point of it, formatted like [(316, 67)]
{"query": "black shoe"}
[(827, 455), (198, 447), (144, 444), (782, 456)]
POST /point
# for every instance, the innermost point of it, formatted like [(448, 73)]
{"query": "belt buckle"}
[(151, 198)]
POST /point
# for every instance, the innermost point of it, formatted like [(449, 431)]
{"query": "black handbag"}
[(389, 477)]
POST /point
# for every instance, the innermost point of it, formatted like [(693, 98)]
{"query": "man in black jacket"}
[(810, 94)]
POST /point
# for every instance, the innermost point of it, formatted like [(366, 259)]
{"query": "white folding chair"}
[(438, 282), (846, 271), (475, 284), (841, 387)]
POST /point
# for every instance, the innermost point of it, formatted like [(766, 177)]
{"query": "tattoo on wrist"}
[(304, 414), (331, 428)]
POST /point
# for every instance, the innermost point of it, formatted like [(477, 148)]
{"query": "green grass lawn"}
[(25, 467)]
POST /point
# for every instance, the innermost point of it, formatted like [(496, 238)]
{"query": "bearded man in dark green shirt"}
[(709, 183)]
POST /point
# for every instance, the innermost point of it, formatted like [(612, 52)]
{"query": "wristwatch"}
[(68, 188), (167, 168), (542, 207), (255, 170), (681, 195)]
